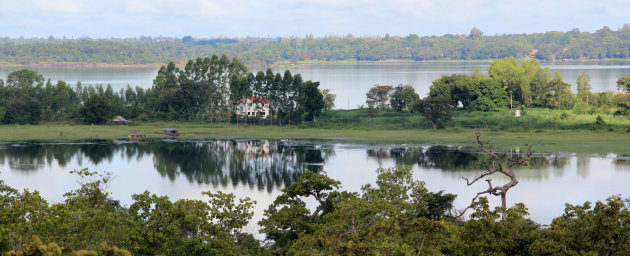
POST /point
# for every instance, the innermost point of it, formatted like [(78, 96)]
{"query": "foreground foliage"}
[(396, 215)]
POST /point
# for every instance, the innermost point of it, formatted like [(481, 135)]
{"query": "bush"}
[(599, 123)]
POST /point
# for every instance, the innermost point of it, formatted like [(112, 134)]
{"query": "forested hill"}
[(548, 46)]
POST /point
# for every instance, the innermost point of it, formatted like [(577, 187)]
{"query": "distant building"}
[(253, 107), (119, 120), (253, 148)]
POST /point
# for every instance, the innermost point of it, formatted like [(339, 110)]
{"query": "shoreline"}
[(547, 140), (81, 65), (284, 64)]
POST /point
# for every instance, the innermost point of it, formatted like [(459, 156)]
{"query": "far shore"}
[(284, 64), (81, 65)]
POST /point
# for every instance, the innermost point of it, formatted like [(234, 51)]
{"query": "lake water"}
[(349, 81), (261, 168)]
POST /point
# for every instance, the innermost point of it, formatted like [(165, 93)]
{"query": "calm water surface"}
[(261, 168), (350, 81)]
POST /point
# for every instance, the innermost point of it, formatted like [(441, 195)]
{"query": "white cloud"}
[(214, 8), (59, 5), (414, 8), (141, 6)]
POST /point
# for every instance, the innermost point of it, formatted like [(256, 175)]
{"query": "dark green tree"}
[(96, 110), (288, 217), (623, 84), (22, 110), (586, 230), (403, 97), (312, 101), (435, 109)]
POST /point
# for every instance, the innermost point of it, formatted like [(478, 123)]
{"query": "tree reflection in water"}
[(439, 157), (265, 164), (458, 159), (261, 164)]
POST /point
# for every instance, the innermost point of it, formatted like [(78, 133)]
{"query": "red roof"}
[(253, 99)]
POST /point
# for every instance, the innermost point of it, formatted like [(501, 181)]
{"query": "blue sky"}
[(236, 18)]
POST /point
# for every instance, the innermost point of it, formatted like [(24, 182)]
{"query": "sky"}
[(284, 18)]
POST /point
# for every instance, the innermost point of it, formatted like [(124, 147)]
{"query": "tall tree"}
[(313, 100), (96, 110), (512, 76), (584, 87), (329, 99)]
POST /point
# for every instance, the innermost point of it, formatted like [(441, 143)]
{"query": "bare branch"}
[(493, 165)]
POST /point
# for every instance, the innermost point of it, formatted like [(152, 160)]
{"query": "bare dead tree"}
[(498, 163)]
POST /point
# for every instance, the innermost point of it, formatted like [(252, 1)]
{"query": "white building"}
[(253, 107)]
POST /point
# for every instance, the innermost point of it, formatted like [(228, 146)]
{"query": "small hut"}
[(170, 131), (119, 120)]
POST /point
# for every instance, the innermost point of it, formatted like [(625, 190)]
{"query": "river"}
[(261, 168)]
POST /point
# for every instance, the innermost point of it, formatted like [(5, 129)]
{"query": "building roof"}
[(253, 99), (120, 119), (169, 129)]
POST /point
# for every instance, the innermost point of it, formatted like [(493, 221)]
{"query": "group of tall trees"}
[(508, 84), (212, 86), (396, 215), (550, 46), (206, 89), (513, 84)]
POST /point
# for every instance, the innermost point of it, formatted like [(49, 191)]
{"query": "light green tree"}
[(513, 78), (584, 87)]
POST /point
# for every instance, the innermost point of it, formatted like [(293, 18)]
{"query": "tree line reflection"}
[(265, 164), (261, 164), (463, 159)]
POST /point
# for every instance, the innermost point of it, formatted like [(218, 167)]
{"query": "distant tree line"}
[(205, 89), (548, 46), (509, 84)]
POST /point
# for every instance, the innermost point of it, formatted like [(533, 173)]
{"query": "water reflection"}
[(261, 168), (263, 164), (435, 157), (462, 159)]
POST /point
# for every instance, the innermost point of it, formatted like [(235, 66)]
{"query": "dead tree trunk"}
[(498, 163)]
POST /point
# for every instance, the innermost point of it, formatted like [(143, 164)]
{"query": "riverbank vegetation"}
[(521, 87), (395, 215), (200, 101), (206, 89), (575, 45), (581, 141)]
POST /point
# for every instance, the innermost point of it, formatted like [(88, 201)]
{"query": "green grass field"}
[(543, 128), (496, 121)]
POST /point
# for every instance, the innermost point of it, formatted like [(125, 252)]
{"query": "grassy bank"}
[(531, 119), (577, 141)]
